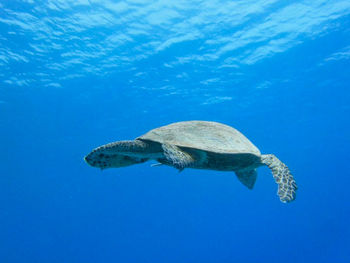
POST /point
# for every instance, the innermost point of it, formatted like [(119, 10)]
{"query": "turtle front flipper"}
[(286, 184), (176, 157)]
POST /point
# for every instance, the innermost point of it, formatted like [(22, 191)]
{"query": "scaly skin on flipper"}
[(281, 173), (176, 157)]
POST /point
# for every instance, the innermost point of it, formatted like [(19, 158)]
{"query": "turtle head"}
[(119, 154), (104, 160)]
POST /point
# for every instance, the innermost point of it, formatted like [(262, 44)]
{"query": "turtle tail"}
[(286, 184)]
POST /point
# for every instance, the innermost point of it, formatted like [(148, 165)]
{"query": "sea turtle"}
[(200, 145)]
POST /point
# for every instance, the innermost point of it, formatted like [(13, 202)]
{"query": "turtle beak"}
[(88, 159), (93, 160)]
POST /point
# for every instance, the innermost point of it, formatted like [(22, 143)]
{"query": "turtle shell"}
[(203, 135)]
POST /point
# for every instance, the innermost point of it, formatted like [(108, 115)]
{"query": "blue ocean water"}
[(76, 74)]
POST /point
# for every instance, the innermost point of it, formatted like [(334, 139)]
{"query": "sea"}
[(78, 74)]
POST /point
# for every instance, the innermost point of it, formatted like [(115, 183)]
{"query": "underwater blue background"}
[(77, 74)]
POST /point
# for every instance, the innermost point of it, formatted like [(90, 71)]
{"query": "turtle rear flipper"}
[(286, 184), (247, 177)]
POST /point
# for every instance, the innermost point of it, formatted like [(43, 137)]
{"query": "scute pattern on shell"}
[(203, 135)]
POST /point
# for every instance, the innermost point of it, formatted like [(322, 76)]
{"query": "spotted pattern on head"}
[(104, 160)]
